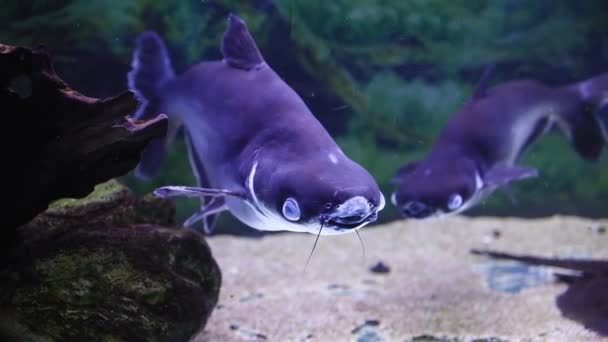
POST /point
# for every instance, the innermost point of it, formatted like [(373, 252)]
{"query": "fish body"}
[(478, 149), (255, 148)]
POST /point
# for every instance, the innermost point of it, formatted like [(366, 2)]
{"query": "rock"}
[(380, 268), (59, 142), (104, 268)]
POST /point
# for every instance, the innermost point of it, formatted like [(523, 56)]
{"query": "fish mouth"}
[(417, 210), (432, 214), (351, 222), (418, 216)]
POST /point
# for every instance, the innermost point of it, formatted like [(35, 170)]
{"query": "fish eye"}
[(370, 204), (454, 202), (394, 199), (327, 205), (291, 209)]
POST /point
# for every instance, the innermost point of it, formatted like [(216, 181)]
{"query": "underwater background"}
[(87, 256), (382, 76)]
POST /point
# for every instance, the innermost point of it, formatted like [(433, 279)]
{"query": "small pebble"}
[(248, 334), (252, 296), (380, 268), (372, 322), (307, 338), (367, 323)]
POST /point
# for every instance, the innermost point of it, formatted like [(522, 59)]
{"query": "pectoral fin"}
[(501, 175), (192, 191), (208, 214)]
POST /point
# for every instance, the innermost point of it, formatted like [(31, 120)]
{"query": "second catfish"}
[(478, 149)]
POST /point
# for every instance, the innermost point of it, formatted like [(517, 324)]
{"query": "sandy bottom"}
[(435, 287)]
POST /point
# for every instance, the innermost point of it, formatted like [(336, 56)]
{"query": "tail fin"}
[(586, 123), (595, 92), (151, 69)]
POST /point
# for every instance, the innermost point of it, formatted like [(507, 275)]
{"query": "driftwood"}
[(57, 142), (586, 298)]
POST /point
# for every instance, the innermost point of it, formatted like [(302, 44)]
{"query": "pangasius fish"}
[(478, 149), (256, 149)]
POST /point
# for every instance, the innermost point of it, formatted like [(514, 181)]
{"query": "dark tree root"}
[(57, 142)]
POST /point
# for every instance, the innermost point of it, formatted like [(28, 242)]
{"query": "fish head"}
[(428, 190), (326, 198)]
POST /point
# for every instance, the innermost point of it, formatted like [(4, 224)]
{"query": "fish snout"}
[(416, 209), (353, 212)]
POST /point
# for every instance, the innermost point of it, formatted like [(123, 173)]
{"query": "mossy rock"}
[(106, 195), (76, 275), (110, 204)]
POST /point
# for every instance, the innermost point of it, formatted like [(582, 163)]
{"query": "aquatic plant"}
[(382, 75)]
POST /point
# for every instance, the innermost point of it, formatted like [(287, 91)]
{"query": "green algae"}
[(103, 193)]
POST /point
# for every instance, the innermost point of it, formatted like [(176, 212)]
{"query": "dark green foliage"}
[(81, 25), (383, 75)]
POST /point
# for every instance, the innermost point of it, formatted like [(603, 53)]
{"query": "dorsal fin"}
[(482, 84), (404, 170), (238, 47)]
